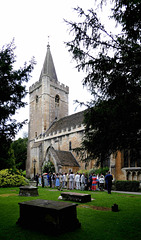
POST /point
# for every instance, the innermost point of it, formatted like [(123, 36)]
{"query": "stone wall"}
[(119, 173), (35, 110), (67, 169)]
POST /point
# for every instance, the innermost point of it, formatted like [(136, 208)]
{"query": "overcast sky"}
[(30, 22)]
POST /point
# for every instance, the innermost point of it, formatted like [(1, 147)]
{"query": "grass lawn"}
[(97, 221)]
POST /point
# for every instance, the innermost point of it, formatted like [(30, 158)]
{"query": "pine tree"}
[(12, 92), (112, 65)]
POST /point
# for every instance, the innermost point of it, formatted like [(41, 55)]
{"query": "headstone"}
[(33, 183), (115, 208), (28, 191), (76, 197)]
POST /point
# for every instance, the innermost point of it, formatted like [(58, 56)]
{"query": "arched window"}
[(125, 158), (70, 147), (132, 158), (37, 98), (57, 99), (139, 158)]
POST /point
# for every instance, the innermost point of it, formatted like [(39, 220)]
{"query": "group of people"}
[(99, 183), (75, 181)]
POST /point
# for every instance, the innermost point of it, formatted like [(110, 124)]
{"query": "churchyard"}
[(96, 218)]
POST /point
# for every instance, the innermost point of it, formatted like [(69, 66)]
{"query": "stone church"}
[(53, 134)]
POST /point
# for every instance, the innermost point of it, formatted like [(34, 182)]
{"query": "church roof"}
[(67, 159), (48, 66), (66, 122), (64, 158)]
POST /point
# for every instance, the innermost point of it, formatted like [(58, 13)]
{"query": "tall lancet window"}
[(37, 98), (57, 98), (57, 101)]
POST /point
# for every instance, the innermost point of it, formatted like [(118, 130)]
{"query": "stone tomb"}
[(28, 191), (49, 216), (76, 197)]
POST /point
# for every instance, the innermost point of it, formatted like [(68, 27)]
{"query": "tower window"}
[(37, 98), (57, 98), (45, 127), (70, 147)]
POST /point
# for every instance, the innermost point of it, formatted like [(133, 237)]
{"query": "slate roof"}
[(66, 122), (48, 66), (64, 158)]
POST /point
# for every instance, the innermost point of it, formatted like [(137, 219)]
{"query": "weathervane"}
[(48, 45)]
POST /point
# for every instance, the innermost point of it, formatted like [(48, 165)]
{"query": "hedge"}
[(129, 186), (8, 178)]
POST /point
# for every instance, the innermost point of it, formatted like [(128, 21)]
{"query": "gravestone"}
[(33, 183), (76, 197), (48, 216), (28, 191), (115, 208)]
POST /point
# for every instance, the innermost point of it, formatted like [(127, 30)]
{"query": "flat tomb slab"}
[(28, 191), (48, 216), (76, 197)]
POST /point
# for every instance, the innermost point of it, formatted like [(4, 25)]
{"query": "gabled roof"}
[(67, 159), (64, 158), (66, 122), (48, 66)]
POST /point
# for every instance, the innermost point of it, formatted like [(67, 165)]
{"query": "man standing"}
[(61, 181), (108, 180), (71, 180), (50, 178), (101, 182), (82, 182), (77, 181), (90, 182), (37, 179)]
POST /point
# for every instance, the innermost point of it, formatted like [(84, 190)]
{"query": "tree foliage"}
[(19, 148), (112, 65), (12, 92), (9, 178), (49, 167)]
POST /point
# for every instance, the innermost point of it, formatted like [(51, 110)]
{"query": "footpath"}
[(135, 193)]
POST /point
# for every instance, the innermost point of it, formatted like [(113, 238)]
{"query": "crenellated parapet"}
[(60, 86), (62, 132), (35, 86), (56, 85)]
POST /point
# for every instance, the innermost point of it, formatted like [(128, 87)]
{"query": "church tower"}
[(48, 101)]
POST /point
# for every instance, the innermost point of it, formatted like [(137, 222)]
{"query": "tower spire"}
[(48, 66)]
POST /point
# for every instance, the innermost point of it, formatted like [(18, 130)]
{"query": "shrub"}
[(23, 173), (48, 167), (99, 171), (129, 186), (10, 178)]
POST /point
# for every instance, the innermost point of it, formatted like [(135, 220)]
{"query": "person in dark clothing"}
[(50, 177), (42, 181), (37, 179), (90, 182), (108, 180)]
